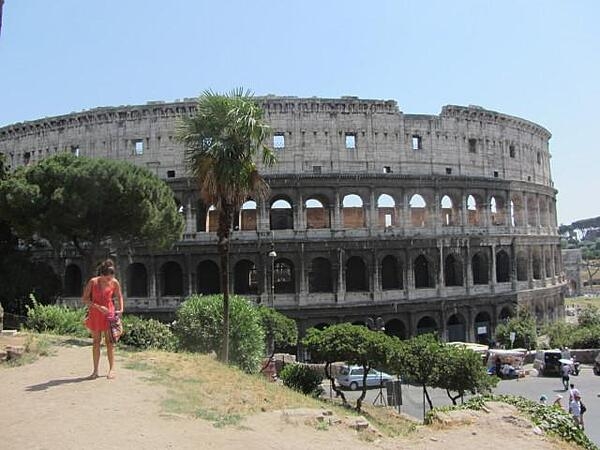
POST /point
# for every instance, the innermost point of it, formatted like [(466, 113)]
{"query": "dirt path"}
[(50, 405)]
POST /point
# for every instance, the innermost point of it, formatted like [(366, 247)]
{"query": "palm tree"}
[(222, 140)]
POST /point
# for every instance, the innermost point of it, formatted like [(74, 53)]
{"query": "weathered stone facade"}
[(444, 222)]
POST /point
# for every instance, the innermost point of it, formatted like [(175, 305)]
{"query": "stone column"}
[(372, 217), (513, 265), (441, 288), (530, 267), (410, 276), (463, 211), (492, 276), (405, 220), (341, 289), (468, 273), (190, 273), (376, 278), (262, 221), (525, 212), (437, 221), (337, 214), (543, 269), (299, 214), (190, 220)]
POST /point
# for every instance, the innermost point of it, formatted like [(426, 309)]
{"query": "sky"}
[(535, 59)]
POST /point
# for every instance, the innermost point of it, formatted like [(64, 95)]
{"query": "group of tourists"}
[(575, 407)]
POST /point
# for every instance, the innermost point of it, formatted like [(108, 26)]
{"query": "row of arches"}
[(356, 273), (421, 212)]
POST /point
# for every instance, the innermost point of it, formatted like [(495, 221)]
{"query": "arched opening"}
[(137, 280), (447, 211), (208, 279), (423, 273), (321, 326), (46, 285), (532, 211), (539, 315), (390, 275), (418, 211), (426, 325), (502, 267), (359, 323), (480, 266), (245, 278), (282, 215), (457, 330), (247, 220), (473, 207), (549, 266), (73, 281), (453, 273), (483, 323), (212, 219), (319, 278), (497, 211), (396, 327), (386, 211), (201, 216), (505, 314), (543, 207), (284, 277), (172, 279), (352, 212), (537, 265), (317, 216), (522, 267), (356, 275), (516, 212)]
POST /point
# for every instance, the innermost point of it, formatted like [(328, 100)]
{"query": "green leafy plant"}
[(147, 333), (198, 328), (523, 326), (301, 377), (55, 319)]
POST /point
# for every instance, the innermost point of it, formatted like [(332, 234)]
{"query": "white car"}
[(352, 377)]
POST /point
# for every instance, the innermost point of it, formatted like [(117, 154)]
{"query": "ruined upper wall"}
[(347, 135)]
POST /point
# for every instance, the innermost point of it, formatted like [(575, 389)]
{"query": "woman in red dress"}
[(98, 296)]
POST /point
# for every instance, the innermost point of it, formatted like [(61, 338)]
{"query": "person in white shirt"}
[(566, 371)]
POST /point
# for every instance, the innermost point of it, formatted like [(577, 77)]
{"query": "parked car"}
[(352, 377), (547, 362)]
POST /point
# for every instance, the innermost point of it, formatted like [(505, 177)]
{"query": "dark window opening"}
[(172, 279), (511, 151), (426, 325), (472, 145), (356, 275), (502, 267), (539, 158), (522, 268), (423, 274), (453, 274), (387, 169), (170, 174), (245, 278), (448, 171), (391, 277), (317, 170), (319, 278), (495, 174), (137, 280), (208, 279), (480, 266), (73, 281), (284, 277)]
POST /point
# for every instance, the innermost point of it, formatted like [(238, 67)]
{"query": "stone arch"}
[(480, 267), (532, 207), (474, 210), (457, 329), (522, 272), (502, 267), (396, 327), (317, 214), (208, 277), (516, 212), (448, 211), (539, 314), (46, 284), (427, 324), (73, 281), (245, 279), (418, 211), (281, 215), (353, 213), (356, 275), (137, 280), (543, 208), (319, 277), (201, 216), (391, 276), (171, 279), (536, 264), (284, 279), (386, 211), (423, 272), (548, 264), (212, 219), (483, 330), (453, 270), (506, 313), (497, 211), (248, 216)]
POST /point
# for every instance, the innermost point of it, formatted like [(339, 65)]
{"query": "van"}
[(547, 362)]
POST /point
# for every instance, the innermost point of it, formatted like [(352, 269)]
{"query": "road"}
[(529, 387)]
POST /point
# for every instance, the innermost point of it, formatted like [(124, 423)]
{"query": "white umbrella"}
[(565, 361)]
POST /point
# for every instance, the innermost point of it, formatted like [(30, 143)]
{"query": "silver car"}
[(352, 377)]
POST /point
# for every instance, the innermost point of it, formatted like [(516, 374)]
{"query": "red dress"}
[(96, 320)]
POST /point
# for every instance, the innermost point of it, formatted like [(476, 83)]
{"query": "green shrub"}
[(198, 328), (301, 378), (560, 334), (586, 337), (551, 419), (524, 327), (56, 319), (147, 333)]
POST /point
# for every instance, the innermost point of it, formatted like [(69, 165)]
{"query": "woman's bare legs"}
[(110, 351), (96, 338)]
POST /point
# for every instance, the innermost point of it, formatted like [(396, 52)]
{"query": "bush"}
[(147, 333), (199, 325), (560, 334), (525, 330), (586, 337), (589, 316), (56, 319), (301, 377)]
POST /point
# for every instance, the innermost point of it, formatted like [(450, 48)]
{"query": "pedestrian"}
[(498, 364), (565, 371), (98, 296), (573, 392), (558, 401), (543, 399), (575, 410)]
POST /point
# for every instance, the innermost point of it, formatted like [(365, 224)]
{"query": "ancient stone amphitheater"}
[(431, 222)]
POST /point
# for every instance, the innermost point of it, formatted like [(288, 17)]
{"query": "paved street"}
[(528, 387)]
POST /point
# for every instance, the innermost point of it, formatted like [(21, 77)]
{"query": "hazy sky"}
[(538, 60)]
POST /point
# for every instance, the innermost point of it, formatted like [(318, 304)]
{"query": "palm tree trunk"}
[(223, 245)]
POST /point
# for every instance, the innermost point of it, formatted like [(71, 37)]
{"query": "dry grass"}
[(582, 301)]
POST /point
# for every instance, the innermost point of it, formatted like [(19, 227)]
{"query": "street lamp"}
[(378, 325), (272, 255)]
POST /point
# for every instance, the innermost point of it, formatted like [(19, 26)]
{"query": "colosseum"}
[(441, 223)]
